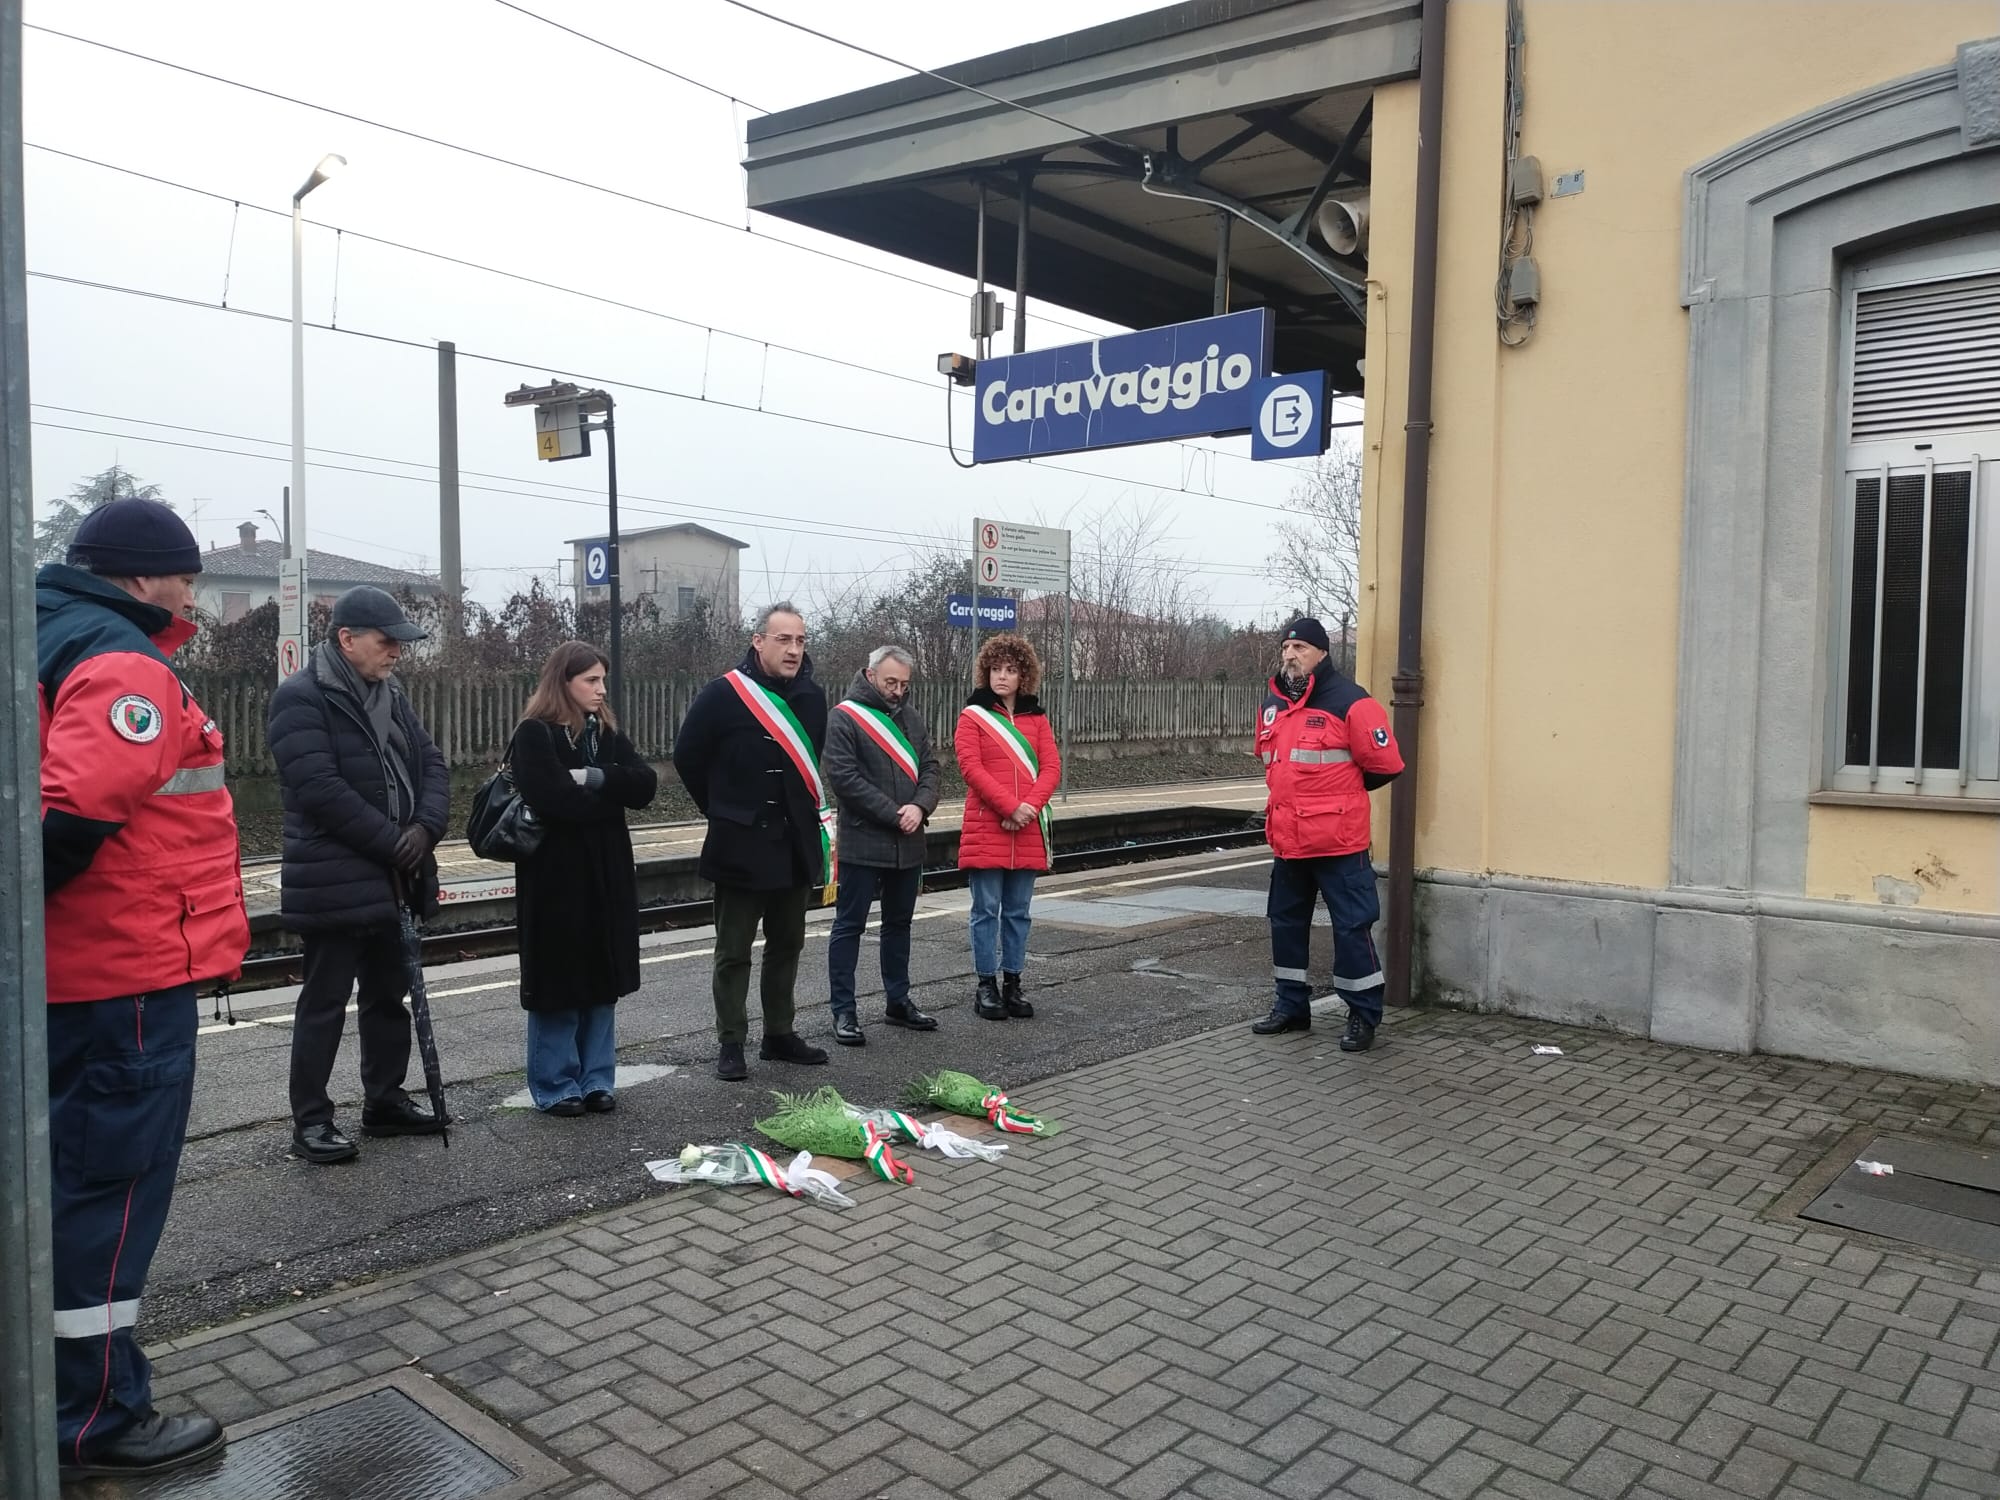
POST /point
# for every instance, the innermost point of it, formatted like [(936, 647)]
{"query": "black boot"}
[(1279, 1020), (1360, 1034), (988, 1005), (729, 1063), (787, 1047), (152, 1445), (1010, 997)]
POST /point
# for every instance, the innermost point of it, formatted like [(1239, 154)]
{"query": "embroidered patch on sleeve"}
[(136, 718)]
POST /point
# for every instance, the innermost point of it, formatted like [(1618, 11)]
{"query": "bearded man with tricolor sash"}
[(880, 767), (748, 753)]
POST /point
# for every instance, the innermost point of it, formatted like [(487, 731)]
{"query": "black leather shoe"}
[(729, 1063), (1278, 1021), (151, 1445), (910, 1018), (404, 1117), (1360, 1035), (565, 1109), (322, 1145), (847, 1030), (1010, 998), (788, 1048), (987, 1004), (600, 1101)]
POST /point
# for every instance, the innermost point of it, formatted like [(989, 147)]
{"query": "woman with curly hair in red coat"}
[(1007, 754)]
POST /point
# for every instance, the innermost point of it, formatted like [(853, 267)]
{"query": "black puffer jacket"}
[(339, 840)]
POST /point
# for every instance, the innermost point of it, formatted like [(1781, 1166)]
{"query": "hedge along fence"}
[(471, 716)]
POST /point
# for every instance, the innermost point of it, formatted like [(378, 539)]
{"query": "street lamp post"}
[(295, 511), (284, 531)]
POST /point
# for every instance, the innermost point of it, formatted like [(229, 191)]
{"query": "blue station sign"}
[(994, 614), (1188, 380)]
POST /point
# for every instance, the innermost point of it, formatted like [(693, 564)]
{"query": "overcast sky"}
[(474, 73)]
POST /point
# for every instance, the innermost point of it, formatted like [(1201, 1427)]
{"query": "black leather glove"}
[(412, 844)]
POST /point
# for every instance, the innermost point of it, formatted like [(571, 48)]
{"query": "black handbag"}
[(502, 827)]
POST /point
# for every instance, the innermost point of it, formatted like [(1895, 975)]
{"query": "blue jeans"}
[(859, 885), (571, 1053), (1346, 883), (1000, 904)]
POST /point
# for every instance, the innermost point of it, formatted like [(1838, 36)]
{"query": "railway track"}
[(269, 971)]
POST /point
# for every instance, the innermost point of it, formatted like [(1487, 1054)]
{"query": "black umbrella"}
[(420, 1006)]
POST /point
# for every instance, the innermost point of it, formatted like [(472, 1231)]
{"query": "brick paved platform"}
[(1251, 1267)]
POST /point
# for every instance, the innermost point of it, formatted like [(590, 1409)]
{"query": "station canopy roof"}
[(1262, 104)]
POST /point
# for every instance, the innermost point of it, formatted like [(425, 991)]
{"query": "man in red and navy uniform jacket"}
[(1325, 745), (143, 901)]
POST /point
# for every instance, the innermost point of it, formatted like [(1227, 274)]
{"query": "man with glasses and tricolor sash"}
[(880, 767), (748, 753)]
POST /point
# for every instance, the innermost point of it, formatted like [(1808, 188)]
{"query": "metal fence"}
[(472, 716)]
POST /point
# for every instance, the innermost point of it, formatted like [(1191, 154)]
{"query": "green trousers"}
[(737, 913)]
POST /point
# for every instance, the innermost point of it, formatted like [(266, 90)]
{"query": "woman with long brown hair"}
[(1007, 754), (577, 896)]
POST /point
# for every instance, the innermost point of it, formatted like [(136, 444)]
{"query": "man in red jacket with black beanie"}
[(1325, 745), (143, 901)]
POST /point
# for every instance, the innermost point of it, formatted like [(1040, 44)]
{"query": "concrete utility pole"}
[(449, 570), (27, 1289)]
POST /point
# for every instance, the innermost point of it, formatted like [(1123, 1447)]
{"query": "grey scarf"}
[(377, 701)]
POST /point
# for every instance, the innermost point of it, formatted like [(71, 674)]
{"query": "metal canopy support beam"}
[(1242, 138), (27, 1286), (1222, 224), (1271, 292), (1277, 124), (1167, 173), (1020, 276), (1302, 221)]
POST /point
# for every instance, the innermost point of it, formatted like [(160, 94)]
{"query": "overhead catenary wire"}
[(583, 495), (521, 166), (598, 41), (1081, 131), (693, 324), (837, 530), (516, 363)]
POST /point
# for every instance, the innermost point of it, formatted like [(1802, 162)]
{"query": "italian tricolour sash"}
[(768, 709), (885, 732), (1016, 744)]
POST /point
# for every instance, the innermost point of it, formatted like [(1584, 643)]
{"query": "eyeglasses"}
[(787, 640)]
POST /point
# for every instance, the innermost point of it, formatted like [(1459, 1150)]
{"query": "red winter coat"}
[(996, 784), (143, 889), (1323, 754)]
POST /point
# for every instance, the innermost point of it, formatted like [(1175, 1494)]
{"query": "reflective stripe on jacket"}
[(1321, 755), (144, 889)]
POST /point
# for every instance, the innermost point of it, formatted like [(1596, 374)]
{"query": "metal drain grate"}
[(1941, 1197), (392, 1439)]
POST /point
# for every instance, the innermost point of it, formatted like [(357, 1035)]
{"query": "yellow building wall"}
[(1552, 609)]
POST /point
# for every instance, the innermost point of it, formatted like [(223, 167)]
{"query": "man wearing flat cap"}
[(366, 798), (1325, 745)]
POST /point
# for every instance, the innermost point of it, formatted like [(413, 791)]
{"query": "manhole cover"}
[(392, 1439), (1942, 1197)]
